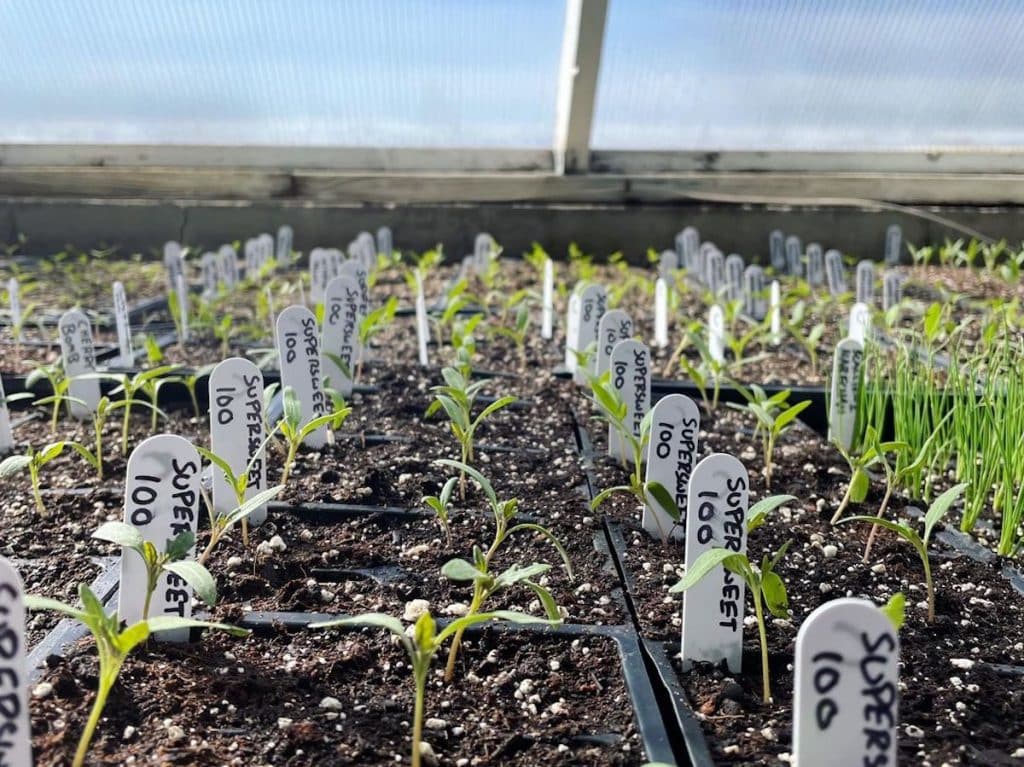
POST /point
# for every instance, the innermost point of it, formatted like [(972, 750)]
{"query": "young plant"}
[(191, 381), (935, 513), (520, 330), (372, 325), (294, 431), (487, 583), (421, 645), (774, 415), (130, 387), (33, 460), (154, 354), (53, 373), (764, 584), (112, 646), (809, 341), (441, 505), (457, 397), (224, 331)]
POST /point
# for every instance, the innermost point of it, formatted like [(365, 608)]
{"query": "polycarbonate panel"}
[(432, 73), (805, 74)]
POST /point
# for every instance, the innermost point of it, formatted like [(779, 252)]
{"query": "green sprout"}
[(294, 431), (373, 324), (774, 415), (441, 505), (34, 460)]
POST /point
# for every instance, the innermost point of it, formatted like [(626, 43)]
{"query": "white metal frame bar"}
[(577, 83)]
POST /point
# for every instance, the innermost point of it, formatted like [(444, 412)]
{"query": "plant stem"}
[(107, 678), (288, 461), (766, 688), (453, 651), (124, 428), (929, 585), (843, 503), (874, 528), (33, 472), (214, 538), (417, 715)]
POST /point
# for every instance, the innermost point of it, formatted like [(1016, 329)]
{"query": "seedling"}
[(59, 386), (441, 505), (221, 524), (520, 330), (809, 341), (485, 584), (130, 386), (764, 584), (294, 431), (113, 646), (936, 512), (421, 647), (458, 397), (173, 560), (154, 354), (774, 415), (34, 460), (224, 331), (373, 324), (191, 381)]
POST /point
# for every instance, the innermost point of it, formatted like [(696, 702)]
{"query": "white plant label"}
[(716, 333), (667, 264), (794, 250), (734, 277), (79, 357), (893, 243), (860, 322), (572, 329), (777, 251), (593, 302), (335, 258), (660, 313), (211, 273), (183, 307), (124, 332), (422, 328), (846, 686), (236, 432), (14, 295), (174, 263), (265, 250), (6, 434), (703, 253), (340, 334), (715, 518), (835, 272), (366, 247), (361, 274), (671, 456), (483, 249), (842, 409), (755, 304), (161, 500), (319, 274), (815, 265), (866, 282), (298, 346), (547, 317), (691, 248), (680, 245), (252, 258), (385, 242), (285, 237), (714, 273), (630, 368), (615, 326), (228, 261), (15, 727), (775, 308), (892, 290)]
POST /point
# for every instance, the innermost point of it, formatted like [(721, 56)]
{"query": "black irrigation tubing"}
[(670, 695)]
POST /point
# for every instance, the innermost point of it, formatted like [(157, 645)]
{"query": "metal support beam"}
[(577, 83)]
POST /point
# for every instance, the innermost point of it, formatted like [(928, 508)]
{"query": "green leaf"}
[(91, 603), (35, 603), (902, 530), (786, 416), (292, 408), (13, 465), (493, 408), (551, 539), (50, 452), (131, 637), (896, 609), (179, 546), (668, 504), (548, 601), (323, 420), (196, 576), (251, 504), (220, 463), (86, 453), (461, 570), (480, 479), (939, 508), (120, 533), (517, 573), (502, 615), (168, 622), (774, 591), (860, 483), (705, 563), (757, 513), (605, 494), (377, 620)]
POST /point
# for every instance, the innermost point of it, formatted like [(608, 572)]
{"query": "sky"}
[(676, 74)]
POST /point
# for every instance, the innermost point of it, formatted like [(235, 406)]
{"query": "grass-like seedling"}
[(765, 585), (442, 506), (173, 560), (773, 415), (421, 647), (485, 583), (295, 431), (33, 460), (113, 646), (935, 513), (457, 397)]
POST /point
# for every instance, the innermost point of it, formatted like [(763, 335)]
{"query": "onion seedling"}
[(113, 646), (458, 396), (294, 431), (935, 513), (485, 584), (774, 415), (421, 647)]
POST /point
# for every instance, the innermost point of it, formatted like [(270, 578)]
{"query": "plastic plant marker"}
[(298, 346), (842, 409), (359, 272), (755, 304), (690, 248), (14, 296), (210, 273), (794, 252), (547, 318), (866, 282), (775, 308), (285, 238), (124, 331), (630, 369), (79, 357), (668, 262), (340, 336), (777, 251), (236, 432), (319, 275), (846, 686), (6, 434), (422, 328), (15, 728), (227, 259), (715, 518), (703, 253), (893, 243), (483, 249), (266, 249), (734, 277), (385, 242), (835, 272), (714, 273), (174, 263), (815, 265), (860, 322), (615, 325), (572, 329), (161, 500), (593, 302), (671, 456), (892, 290), (335, 258), (660, 313), (716, 333), (252, 259), (182, 292)]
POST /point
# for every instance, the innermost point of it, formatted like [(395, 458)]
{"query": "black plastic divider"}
[(657, 741), (669, 693), (103, 320)]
